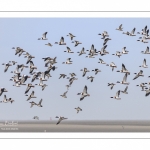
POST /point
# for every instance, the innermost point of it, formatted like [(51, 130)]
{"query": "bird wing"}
[(132, 32), (147, 49), (85, 89), (125, 77), (32, 94), (126, 89), (118, 93), (44, 34), (112, 68), (31, 63), (62, 39), (123, 67), (147, 92), (120, 26), (144, 62), (29, 58), (65, 93), (59, 121), (40, 101), (82, 97), (92, 47), (27, 89), (136, 77)]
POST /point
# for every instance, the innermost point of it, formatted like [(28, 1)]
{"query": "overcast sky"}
[(24, 32)]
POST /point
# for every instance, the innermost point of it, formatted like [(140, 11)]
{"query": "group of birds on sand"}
[(20, 80)]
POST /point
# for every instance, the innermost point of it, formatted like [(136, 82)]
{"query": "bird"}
[(143, 31), (146, 51), (84, 71), (81, 52), (29, 85), (49, 44), (144, 64), (117, 96), (124, 51), (68, 50), (112, 65), (6, 66), (72, 74), (24, 78), (138, 74), (61, 41), (39, 104), (96, 70), (76, 43), (71, 36), (60, 119), (64, 95), (67, 87), (143, 86), (22, 66), (111, 85), (90, 77), (43, 36), (104, 34), (125, 90), (71, 80), (147, 92), (32, 67), (142, 39), (124, 81), (29, 58), (62, 76), (124, 70), (68, 61), (5, 100), (31, 96), (43, 86), (2, 90), (84, 93), (132, 32), (78, 109), (36, 117), (11, 100), (120, 28), (103, 51), (117, 54), (106, 40), (32, 104), (101, 61), (13, 62), (41, 82)]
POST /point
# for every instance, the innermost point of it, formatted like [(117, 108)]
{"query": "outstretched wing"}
[(136, 77), (85, 89), (126, 89), (120, 26), (58, 121), (132, 32), (40, 101), (118, 93), (147, 92), (44, 35), (125, 77)]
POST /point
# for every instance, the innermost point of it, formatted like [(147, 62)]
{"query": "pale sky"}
[(24, 32)]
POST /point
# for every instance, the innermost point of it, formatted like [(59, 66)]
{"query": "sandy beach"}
[(75, 126)]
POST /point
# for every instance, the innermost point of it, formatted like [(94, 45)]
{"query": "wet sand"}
[(75, 126)]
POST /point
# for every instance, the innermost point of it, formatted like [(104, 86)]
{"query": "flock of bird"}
[(20, 80)]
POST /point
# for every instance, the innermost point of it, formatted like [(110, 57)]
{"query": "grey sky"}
[(99, 106)]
